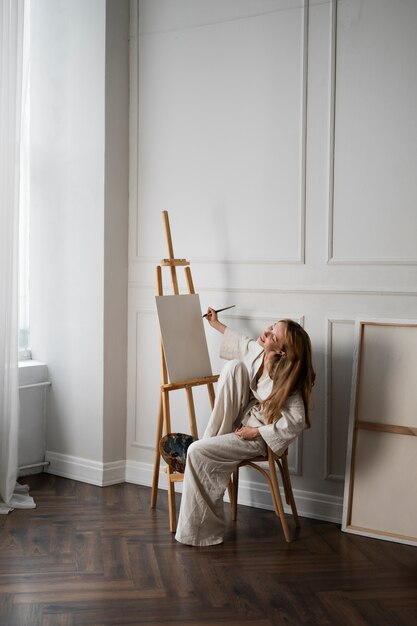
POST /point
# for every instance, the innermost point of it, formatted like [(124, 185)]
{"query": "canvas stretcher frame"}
[(380, 496)]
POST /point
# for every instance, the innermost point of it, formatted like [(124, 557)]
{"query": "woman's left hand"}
[(247, 432)]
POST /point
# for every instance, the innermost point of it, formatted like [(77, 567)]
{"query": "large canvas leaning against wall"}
[(380, 498)]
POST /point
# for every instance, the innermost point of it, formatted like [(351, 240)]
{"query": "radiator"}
[(33, 387)]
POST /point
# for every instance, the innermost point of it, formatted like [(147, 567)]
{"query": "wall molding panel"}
[(136, 210), (332, 111), (333, 258), (330, 473)]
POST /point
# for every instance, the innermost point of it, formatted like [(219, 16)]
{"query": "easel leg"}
[(157, 454), (171, 503), (171, 485)]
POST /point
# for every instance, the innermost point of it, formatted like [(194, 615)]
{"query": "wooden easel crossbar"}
[(164, 414)]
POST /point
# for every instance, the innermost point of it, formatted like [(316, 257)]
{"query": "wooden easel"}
[(164, 417)]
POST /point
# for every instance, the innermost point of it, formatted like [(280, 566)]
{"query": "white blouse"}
[(291, 421)]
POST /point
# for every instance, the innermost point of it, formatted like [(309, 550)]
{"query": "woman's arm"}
[(288, 426), (213, 320)]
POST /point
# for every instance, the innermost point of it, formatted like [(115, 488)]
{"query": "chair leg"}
[(277, 498), (287, 487), (233, 488), (283, 466)]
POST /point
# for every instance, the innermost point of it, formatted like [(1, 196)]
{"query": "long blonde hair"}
[(290, 372)]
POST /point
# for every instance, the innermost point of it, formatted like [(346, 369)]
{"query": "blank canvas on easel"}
[(183, 337), (381, 475)]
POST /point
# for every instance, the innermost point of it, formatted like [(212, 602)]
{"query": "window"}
[(24, 216)]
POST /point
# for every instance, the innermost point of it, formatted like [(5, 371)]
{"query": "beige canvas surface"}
[(385, 483), (183, 337), (387, 384)]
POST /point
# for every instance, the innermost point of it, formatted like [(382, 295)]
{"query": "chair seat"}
[(270, 475), (258, 459)]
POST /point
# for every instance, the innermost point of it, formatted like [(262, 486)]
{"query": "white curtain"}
[(13, 72)]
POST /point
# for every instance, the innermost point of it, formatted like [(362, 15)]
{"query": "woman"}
[(262, 397)]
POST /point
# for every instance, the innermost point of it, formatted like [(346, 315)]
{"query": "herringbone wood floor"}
[(97, 556)]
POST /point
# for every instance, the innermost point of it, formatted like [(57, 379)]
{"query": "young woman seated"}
[(262, 398)]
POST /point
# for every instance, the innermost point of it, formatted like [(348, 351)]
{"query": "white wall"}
[(79, 164), (281, 137), (67, 219)]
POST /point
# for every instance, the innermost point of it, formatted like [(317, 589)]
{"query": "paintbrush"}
[(220, 310)]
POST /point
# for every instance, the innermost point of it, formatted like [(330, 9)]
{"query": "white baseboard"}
[(309, 504), (84, 470), (251, 493)]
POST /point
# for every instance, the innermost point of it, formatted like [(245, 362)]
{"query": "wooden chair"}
[(271, 476)]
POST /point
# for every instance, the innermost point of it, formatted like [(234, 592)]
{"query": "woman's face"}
[(273, 338)]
